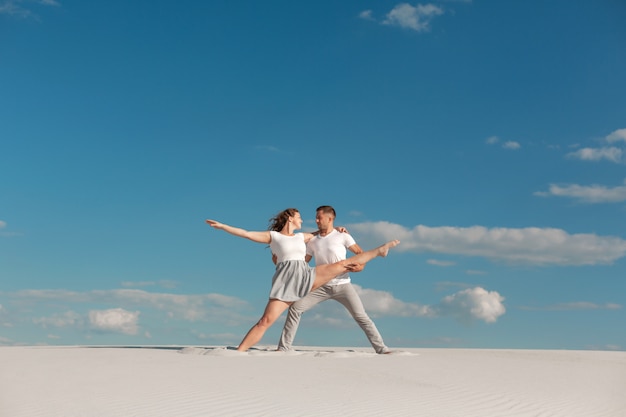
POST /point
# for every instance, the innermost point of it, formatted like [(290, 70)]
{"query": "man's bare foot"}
[(384, 249)]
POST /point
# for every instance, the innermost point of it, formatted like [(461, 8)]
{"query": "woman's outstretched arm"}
[(260, 237)]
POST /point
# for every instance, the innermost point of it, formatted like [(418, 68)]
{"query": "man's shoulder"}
[(336, 237), (345, 237)]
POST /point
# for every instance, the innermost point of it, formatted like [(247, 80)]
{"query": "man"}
[(329, 246)]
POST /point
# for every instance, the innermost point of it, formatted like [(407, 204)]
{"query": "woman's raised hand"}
[(214, 224)]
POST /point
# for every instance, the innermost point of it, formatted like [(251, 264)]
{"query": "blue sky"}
[(489, 136)]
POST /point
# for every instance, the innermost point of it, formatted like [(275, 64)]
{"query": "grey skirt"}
[(292, 280)]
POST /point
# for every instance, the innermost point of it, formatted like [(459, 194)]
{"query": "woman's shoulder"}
[(277, 235), (274, 235), (298, 235)]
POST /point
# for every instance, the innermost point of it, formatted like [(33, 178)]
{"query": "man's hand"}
[(354, 267)]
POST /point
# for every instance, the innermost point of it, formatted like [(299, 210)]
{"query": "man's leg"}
[(346, 295), (295, 313)]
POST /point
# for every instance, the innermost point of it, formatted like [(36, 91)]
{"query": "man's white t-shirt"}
[(330, 249)]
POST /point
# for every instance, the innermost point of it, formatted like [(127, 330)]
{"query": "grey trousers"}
[(347, 296)]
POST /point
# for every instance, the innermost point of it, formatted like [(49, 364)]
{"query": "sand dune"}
[(311, 381)]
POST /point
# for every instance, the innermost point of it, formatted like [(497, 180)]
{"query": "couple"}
[(294, 278)]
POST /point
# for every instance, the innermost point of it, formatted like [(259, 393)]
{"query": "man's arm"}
[(356, 249)]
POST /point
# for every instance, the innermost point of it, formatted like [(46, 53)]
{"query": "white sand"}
[(182, 382)]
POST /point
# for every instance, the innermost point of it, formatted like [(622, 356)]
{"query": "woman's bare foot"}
[(384, 249)]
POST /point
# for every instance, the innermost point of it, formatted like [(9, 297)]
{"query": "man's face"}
[(323, 220)]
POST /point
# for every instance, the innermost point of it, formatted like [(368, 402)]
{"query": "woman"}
[(294, 278)]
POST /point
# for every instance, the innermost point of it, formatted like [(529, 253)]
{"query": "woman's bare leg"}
[(273, 310), (324, 273)]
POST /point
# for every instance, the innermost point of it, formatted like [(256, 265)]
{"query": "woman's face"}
[(297, 220)]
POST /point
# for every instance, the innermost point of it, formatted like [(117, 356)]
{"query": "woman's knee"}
[(266, 321)]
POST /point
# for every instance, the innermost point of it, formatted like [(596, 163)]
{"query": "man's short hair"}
[(327, 210)]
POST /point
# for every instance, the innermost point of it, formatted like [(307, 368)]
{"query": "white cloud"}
[(466, 305), (4, 317), (384, 303), (473, 304), (5, 341), (530, 245), (616, 136), (116, 320), (200, 307), (188, 307), (11, 7), (511, 145), (440, 263), (462, 306), (324, 319), (366, 15), (588, 194), (63, 295), (416, 18), (492, 140), (3, 224), (67, 319), (17, 8), (610, 153), (164, 283)]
